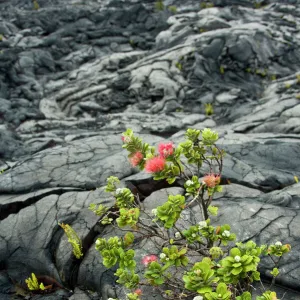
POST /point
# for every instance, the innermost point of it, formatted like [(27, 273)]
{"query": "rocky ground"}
[(75, 74)]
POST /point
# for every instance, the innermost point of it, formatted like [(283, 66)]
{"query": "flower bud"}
[(237, 258), (138, 292), (177, 235), (154, 211), (202, 224), (119, 191), (162, 255), (189, 182), (215, 252), (226, 233), (197, 272)]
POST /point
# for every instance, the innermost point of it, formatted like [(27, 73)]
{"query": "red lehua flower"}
[(211, 180), (155, 164), (136, 158), (149, 259), (166, 149), (138, 292)]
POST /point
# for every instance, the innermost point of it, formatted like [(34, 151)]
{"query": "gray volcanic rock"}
[(75, 74)]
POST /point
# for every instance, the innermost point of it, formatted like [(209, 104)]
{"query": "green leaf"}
[(213, 210), (205, 289), (275, 272), (222, 288), (209, 137), (244, 296), (171, 180), (235, 252), (256, 275), (128, 239), (237, 271)]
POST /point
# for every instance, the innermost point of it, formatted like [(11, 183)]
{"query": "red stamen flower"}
[(211, 180), (136, 158), (149, 259), (166, 149), (155, 164)]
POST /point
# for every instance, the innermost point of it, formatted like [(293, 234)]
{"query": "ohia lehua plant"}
[(194, 259)]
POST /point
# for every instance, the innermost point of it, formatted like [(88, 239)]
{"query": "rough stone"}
[(75, 74)]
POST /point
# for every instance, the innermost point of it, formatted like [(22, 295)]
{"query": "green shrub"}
[(287, 85), (172, 9), (159, 5), (194, 260), (209, 110), (36, 6), (222, 70), (178, 66)]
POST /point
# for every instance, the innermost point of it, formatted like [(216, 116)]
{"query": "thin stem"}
[(204, 209), (187, 167), (275, 266), (182, 174), (195, 198)]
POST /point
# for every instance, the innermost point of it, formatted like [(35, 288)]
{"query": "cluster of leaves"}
[(169, 212), (33, 284), (223, 271), (36, 6), (114, 251), (73, 239), (178, 65), (209, 110)]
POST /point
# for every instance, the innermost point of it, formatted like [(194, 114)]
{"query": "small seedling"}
[(159, 5), (172, 9), (222, 70), (36, 6), (209, 110)]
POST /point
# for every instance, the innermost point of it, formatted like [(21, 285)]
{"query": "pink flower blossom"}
[(166, 149), (125, 139), (149, 259), (211, 180), (136, 158), (155, 164)]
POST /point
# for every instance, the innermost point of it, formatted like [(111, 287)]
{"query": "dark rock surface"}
[(75, 74)]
